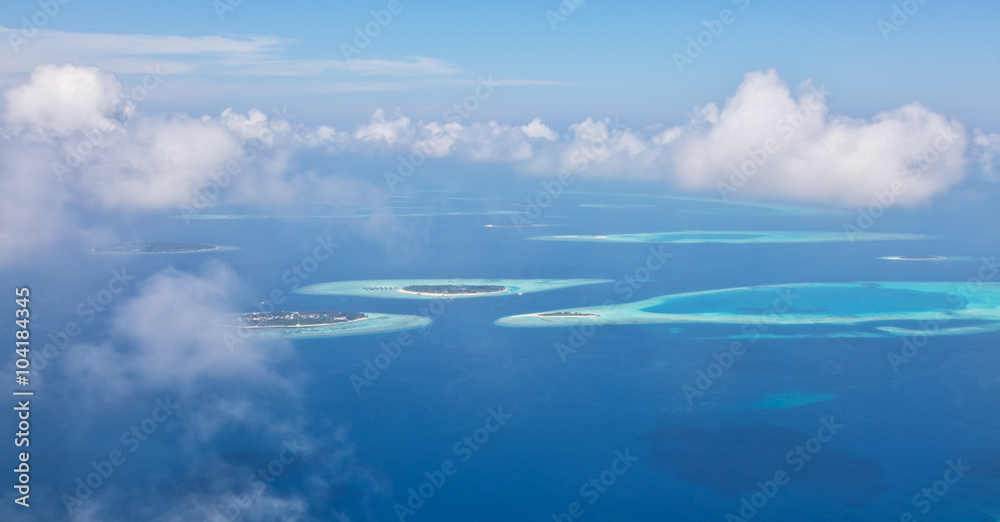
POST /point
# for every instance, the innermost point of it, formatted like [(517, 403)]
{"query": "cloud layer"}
[(73, 141), (762, 143)]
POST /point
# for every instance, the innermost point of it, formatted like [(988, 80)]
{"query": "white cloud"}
[(380, 129), (596, 148), (438, 139), (479, 142), (537, 129), (32, 202), (172, 340), (158, 163), (63, 99), (814, 156), (71, 145), (206, 55), (490, 141), (762, 143), (176, 333), (986, 153)]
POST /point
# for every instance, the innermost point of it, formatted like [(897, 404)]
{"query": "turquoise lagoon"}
[(882, 308)]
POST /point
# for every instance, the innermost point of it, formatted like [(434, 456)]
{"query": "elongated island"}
[(327, 323), (453, 290), (157, 248), (442, 288), (297, 319)]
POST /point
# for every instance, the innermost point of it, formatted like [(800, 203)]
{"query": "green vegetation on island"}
[(454, 289), (295, 319), (153, 248)]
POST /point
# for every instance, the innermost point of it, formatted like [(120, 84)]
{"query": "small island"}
[(297, 319), (154, 248), (442, 288), (454, 289), (566, 314), (915, 258)]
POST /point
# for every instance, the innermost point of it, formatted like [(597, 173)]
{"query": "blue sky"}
[(615, 57)]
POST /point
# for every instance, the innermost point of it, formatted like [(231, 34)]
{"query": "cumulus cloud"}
[(768, 144), (986, 153), (71, 143), (91, 151), (158, 163), (764, 142), (537, 129), (177, 332), (63, 99), (68, 143), (381, 129), (479, 142), (32, 206), (595, 148)]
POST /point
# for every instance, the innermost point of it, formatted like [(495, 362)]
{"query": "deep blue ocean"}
[(570, 418)]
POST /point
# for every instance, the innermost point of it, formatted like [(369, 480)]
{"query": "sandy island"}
[(305, 325), (453, 295), (915, 258)]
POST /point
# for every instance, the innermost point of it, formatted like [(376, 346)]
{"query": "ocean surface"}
[(667, 420)]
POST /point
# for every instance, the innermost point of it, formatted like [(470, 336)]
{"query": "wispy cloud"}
[(249, 63)]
